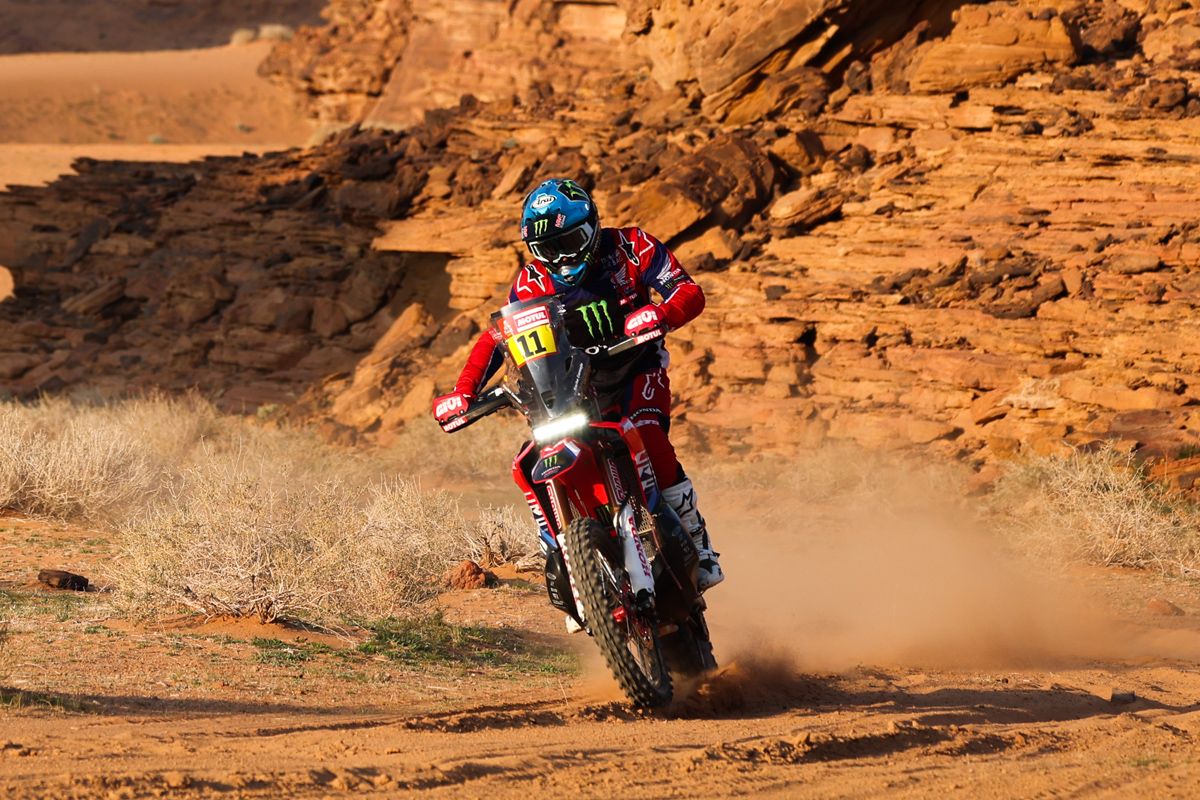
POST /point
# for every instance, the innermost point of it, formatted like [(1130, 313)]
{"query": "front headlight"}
[(556, 429)]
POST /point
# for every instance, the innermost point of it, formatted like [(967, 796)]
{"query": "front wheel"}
[(629, 643)]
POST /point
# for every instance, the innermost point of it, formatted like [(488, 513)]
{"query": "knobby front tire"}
[(648, 686)]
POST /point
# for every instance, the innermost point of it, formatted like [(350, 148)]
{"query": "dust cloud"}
[(894, 566)]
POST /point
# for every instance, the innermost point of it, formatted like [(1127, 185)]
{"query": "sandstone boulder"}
[(1163, 608), (801, 152), (990, 45), (1134, 262), (96, 299), (1179, 39), (805, 208), (724, 182)]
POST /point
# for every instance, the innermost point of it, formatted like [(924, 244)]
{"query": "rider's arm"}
[(481, 365), (683, 299)]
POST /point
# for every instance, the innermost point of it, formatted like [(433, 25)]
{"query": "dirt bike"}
[(617, 559)]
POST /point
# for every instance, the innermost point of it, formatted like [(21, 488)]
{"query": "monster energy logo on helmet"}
[(540, 226), (572, 191), (597, 312)]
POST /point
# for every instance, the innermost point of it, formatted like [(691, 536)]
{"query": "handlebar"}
[(499, 397), (487, 403), (625, 344)]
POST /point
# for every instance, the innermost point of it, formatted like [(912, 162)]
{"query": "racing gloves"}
[(645, 320)]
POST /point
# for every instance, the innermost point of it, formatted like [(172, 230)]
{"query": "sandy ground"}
[(825, 692), (138, 25), (166, 106)]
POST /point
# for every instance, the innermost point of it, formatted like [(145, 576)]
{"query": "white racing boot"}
[(682, 498)]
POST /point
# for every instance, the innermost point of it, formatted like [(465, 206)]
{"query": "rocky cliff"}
[(966, 227)]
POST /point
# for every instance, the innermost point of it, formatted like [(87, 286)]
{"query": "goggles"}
[(566, 247)]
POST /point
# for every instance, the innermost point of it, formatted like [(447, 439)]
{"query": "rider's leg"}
[(682, 497), (648, 405)]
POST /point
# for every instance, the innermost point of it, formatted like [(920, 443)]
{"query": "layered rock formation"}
[(385, 63), (973, 230)]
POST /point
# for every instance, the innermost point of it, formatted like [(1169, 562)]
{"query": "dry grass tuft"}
[(503, 536), (1099, 507), (227, 517), (232, 541), (93, 463)]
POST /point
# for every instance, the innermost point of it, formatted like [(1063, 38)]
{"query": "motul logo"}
[(449, 405), (531, 319)]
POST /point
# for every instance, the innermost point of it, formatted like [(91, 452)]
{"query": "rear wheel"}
[(688, 650), (629, 644)]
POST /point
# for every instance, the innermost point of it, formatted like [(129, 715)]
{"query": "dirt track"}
[(862, 734), (190, 712)]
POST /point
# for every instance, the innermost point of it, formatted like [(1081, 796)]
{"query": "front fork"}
[(637, 566), (599, 485)]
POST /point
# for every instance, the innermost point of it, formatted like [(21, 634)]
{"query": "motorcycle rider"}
[(603, 277)]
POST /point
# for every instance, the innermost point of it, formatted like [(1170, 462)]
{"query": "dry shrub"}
[(225, 516), (92, 463), (231, 539), (272, 532), (480, 454), (1099, 507), (503, 536)]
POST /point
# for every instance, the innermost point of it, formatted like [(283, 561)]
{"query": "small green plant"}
[(21, 699), (266, 411), (64, 608), (288, 654), (430, 639)]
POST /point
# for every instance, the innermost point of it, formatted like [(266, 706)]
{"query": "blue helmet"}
[(561, 226)]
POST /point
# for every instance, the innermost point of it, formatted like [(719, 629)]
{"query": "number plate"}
[(532, 344)]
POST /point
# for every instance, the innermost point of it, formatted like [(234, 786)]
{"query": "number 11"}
[(538, 348)]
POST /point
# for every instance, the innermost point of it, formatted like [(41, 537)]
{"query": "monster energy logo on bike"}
[(592, 313)]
